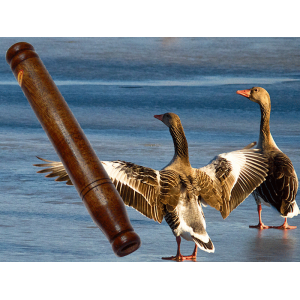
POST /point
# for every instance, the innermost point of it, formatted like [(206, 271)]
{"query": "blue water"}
[(114, 86)]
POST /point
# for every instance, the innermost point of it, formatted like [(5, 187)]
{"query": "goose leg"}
[(260, 224), (284, 226), (179, 256)]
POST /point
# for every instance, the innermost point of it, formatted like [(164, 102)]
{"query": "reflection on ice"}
[(272, 245)]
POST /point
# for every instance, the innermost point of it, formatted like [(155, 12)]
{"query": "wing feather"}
[(233, 177), (142, 188)]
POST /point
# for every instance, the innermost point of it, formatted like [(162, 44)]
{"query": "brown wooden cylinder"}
[(92, 183)]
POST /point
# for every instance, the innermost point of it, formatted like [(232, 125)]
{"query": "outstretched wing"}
[(230, 178), (55, 169), (145, 189)]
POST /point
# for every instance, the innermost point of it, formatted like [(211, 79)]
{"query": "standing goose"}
[(176, 192), (281, 185)]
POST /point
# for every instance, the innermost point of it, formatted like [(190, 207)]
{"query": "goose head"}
[(169, 119), (256, 94)]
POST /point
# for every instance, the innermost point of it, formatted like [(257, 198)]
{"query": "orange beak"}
[(245, 93), (159, 117)]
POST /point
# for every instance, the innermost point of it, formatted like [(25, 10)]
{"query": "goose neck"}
[(180, 143), (265, 137)]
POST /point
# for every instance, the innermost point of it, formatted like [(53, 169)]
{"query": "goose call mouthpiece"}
[(89, 177)]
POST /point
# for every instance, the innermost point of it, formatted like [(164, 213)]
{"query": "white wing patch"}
[(236, 174)]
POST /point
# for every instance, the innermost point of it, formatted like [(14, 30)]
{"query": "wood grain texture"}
[(78, 157)]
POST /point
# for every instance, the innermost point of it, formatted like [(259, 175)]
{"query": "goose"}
[(281, 185), (177, 192)]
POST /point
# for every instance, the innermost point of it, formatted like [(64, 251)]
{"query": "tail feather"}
[(293, 210), (205, 246)]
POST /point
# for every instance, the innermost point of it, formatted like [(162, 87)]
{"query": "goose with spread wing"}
[(281, 185), (175, 193)]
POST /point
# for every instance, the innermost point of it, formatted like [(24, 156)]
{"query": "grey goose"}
[(281, 185), (176, 192)]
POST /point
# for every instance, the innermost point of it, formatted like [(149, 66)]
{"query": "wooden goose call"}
[(92, 183)]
